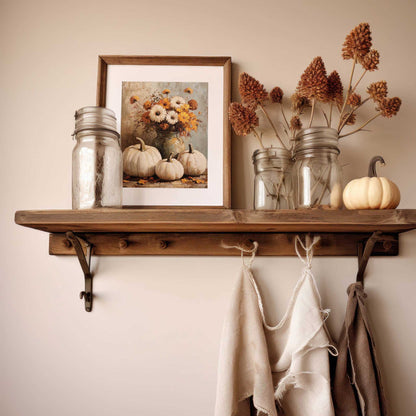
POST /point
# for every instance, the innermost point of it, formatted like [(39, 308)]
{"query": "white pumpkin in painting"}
[(140, 160), (194, 162), (371, 192), (169, 169)]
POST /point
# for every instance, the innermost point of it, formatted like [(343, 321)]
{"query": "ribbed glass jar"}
[(316, 172), (273, 182), (97, 167)]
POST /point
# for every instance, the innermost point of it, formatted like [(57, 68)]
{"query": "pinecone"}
[(313, 82), (377, 90), (295, 123), (371, 60), (389, 107), (276, 95), (358, 42), (354, 100), (243, 119), (251, 91), (335, 89)]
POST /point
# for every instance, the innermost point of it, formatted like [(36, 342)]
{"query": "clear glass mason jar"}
[(97, 167), (273, 182), (316, 172)]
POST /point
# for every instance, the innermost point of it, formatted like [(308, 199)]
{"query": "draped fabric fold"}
[(357, 385)]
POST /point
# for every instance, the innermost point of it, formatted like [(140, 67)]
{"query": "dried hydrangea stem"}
[(312, 112), (356, 84), (361, 127), (348, 89), (273, 126), (284, 116), (258, 138), (350, 113)]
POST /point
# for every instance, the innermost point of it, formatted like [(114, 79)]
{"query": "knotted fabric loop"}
[(308, 248), (243, 250)]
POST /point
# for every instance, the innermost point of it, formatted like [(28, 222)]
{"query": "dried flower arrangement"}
[(169, 114), (314, 90)]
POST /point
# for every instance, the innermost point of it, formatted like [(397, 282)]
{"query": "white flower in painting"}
[(177, 102), (172, 117), (157, 113)]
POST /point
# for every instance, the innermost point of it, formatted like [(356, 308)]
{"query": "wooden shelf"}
[(218, 220), (186, 231)]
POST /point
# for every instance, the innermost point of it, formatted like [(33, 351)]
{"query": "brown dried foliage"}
[(371, 60), (243, 119), (299, 103), (377, 90), (313, 83), (295, 123), (335, 89), (354, 100), (358, 42), (389, 107), (252, 92), (276, 95)]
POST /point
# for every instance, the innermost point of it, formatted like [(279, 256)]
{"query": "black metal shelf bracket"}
[(85, 262)]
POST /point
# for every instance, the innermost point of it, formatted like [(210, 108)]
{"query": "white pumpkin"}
[(169, 169), (140, 160), (194, 162), (371, 192)]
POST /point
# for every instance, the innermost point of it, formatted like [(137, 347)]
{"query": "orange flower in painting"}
[(146, 117), (164, 126), (193, 105), (165, 103), (166, 91), (147, 105), (184, 117), (133, 99), (188, 90)]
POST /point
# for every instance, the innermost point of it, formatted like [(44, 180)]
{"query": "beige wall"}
[(151, 344)]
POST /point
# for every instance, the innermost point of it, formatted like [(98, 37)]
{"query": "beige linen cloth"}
[(275, 370), (357, 389)]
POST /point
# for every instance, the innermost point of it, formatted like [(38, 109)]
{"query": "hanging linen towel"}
[(275, 370), (357, 388)]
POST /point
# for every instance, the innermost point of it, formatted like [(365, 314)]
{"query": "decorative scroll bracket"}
[(85, 262)]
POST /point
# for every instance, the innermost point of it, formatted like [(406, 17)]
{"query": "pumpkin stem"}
[(191, 149), (372, 167), (169, 159), (142, 144)]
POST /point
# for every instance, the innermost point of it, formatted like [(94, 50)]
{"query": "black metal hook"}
[(85, 262), (364, 253)]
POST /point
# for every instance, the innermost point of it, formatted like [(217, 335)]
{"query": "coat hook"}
[(85, 262)]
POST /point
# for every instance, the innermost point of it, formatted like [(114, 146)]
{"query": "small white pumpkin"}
[(371, 192), (140, 160), (169, 169), (194, 162)]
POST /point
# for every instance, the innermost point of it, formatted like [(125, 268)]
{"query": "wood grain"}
[(211, 244), (218, 220)]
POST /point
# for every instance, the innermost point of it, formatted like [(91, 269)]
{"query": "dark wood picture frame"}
[(105, 60)]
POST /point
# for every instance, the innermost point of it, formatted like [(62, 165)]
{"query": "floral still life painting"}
[(164, 134)]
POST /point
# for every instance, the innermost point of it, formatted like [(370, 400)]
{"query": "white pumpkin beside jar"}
[(194, 162), (140, 160), (371, 192), (169, 169)]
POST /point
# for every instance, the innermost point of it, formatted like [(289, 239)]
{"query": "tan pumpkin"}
[(194, 162), (371, 192), (140, 160), (169, 169)]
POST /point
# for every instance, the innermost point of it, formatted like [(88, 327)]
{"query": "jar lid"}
[(95, 118), (317, 138), (271, 153)]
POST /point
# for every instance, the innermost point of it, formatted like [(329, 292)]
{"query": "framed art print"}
[(173, 122)]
